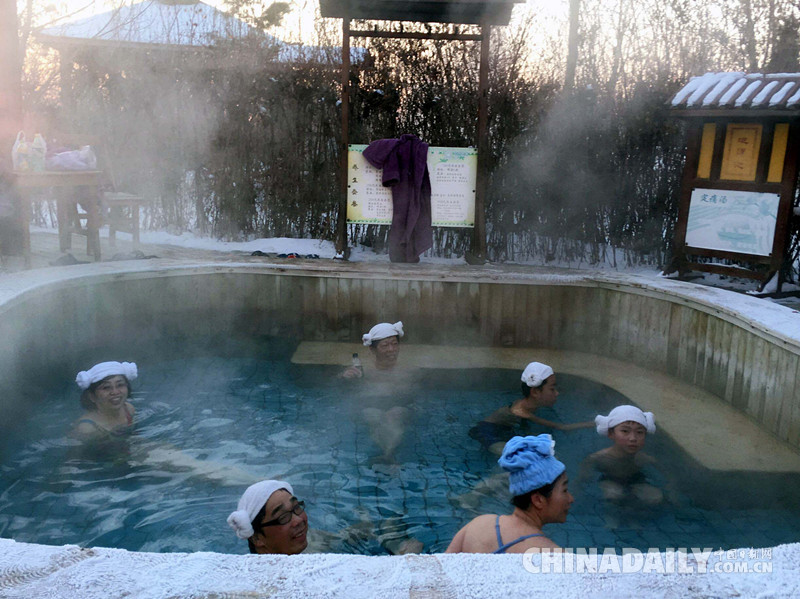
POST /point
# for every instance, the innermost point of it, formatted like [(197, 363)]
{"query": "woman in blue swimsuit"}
[(538, 485), (106, 388)]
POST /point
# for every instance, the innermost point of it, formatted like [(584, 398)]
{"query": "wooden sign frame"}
[(712, 151)]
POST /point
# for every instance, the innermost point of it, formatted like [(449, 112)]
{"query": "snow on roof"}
[(740, 90), (188, 25), (151, 22)]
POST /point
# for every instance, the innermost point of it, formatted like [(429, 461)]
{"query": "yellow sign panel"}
[(706, 151), (740, 155), (779, 140)]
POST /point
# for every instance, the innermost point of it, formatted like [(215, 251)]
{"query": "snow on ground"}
[(326, 249), (30, 571), (272, 245)]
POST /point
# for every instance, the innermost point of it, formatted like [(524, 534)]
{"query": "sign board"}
[(452, 171), (740, 153), (732, 221)]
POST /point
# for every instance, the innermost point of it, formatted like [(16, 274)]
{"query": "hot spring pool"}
[(210, 423)]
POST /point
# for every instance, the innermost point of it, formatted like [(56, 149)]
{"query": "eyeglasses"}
[(286, 517)]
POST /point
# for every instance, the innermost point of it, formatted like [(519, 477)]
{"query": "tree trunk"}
[(616, 59), (749, 35), (572, 48)]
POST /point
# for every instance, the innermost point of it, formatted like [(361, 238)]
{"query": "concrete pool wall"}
[(740, 349), (739, 354)]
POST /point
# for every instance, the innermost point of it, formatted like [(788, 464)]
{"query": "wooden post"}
[(10, 80), (68, 100), (693, 137), (479, 232), (341, 223), (780, 252)]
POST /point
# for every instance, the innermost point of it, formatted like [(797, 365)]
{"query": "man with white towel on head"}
[(385, 386), (274, 521), (271, 518)]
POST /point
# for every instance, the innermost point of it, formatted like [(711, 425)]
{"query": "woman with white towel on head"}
[(538, 391), (106, 388)]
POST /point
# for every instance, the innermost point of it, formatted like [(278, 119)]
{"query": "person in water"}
[(620, 466), (271, 519), (538, 485), (383, 341), (387, 382), (106, 388), (538, 391)]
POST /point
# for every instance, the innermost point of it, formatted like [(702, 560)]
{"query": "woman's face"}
[(559, 502), (547, 395), (111, 393), (386, 351)]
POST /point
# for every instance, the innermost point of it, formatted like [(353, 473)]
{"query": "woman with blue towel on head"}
[(538, 485)]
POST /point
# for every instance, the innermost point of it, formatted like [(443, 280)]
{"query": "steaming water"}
[(208, 426)]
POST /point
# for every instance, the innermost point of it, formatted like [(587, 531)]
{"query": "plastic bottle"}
[(38, 152), (357, 363), (20, 154)]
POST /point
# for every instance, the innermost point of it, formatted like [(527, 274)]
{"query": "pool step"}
[(714, 433)]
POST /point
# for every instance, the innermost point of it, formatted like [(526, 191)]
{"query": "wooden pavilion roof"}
[(471, 12), (739, 94)]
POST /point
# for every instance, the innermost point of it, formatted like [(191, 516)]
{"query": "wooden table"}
[(27, 181)]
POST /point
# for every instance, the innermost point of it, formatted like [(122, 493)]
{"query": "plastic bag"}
[(20, 153), (73, 160), (38, 152)]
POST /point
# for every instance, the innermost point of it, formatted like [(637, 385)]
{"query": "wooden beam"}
[(341, 223), (414, 35), (479, 231), (736, 185), (693, 139), (10, 80), (728, 255), (721, 269), (781, 242)]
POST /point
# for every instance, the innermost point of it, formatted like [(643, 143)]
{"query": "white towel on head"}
[(382, 331), (536, 373), (100, 371), (253, 499), (622, 414)]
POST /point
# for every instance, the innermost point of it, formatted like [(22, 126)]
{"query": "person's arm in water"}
[(86, 429), (670, 487), (531, 415), (560, 426), (586, 469), (351, 372)]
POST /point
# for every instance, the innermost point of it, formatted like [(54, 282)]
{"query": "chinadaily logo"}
[(679, 560)]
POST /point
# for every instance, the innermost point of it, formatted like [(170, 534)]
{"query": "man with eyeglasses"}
[(271, 518)]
